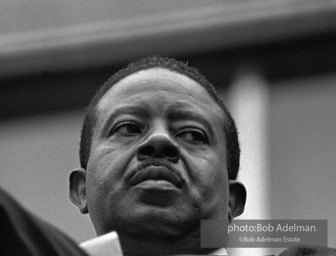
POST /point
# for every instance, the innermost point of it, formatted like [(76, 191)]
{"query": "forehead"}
[(168, 87)]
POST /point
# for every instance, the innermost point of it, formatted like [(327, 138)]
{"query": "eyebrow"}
[(176, 113)]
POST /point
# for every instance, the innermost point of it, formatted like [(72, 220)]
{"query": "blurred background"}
[(274, 61)]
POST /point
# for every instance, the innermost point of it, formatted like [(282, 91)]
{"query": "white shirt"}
[(219, 252), (108, 245)]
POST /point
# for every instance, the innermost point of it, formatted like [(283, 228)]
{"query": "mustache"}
[(154, 162)]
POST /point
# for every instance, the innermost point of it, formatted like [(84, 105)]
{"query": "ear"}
[(237, 199), (77, 189)]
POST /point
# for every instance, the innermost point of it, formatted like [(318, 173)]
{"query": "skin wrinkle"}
[(159, 95), (109, 151), (155, 162), (157, 214), (157, 62)]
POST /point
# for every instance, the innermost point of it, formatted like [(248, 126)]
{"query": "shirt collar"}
[(219, 252)]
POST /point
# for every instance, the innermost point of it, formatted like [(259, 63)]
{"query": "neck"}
[(134, 245)]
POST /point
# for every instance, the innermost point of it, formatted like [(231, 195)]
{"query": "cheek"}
[(211, 174), (104, 177), (209, 169), (215, 179), (107, 165), (211, 188)]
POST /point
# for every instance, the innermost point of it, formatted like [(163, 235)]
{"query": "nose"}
[(158, 145)]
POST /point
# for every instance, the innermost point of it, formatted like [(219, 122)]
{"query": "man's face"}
[(158, 156)]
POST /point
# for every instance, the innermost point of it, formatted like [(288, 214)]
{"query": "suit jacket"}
[(22, 233)]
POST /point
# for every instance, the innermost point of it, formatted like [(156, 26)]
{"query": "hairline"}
[(229, 124), (97, 103)]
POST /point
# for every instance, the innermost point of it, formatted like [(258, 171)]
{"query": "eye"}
[(193, 136), (127, 129)]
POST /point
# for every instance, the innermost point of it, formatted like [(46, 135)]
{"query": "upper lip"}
[(154, 171)]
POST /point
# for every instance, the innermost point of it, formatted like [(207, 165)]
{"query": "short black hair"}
[(230, 129)]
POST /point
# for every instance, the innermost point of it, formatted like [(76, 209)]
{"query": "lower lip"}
[(156, 184)]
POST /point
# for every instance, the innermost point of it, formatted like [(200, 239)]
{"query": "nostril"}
[(158, 146), (170, 152), (147, 151)]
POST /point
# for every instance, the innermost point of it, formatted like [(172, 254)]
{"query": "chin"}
[(156, 221)]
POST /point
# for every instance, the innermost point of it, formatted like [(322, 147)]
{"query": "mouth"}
[(157, 175)]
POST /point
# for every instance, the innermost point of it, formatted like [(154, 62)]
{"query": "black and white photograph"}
[(179, 127)]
